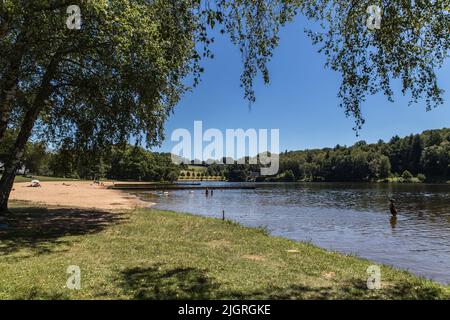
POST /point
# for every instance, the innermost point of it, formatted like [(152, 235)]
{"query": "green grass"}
[(41, 178), (197, 168), (151, 254)]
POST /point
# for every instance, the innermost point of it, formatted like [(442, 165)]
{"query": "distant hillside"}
[(425, 155), (421, 157)]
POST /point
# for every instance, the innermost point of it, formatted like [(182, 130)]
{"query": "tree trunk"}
[(11, 166), (7, 180), (6, 184)]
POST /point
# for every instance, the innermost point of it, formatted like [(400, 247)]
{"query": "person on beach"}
[(392, 208)]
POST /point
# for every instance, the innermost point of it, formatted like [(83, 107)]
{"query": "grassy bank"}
[(42, 179), (151, 254)]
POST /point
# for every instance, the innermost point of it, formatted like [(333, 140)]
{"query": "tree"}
[(63, 163), (5, 146), (372, 162), (236, 172), (289, 176), (436, 160), (412, 42), (135, 163), (407, 176), (422, 178), (122, 73), (360, 165), (385, 167), (35, 158)]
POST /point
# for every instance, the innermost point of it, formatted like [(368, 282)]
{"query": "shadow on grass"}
[(41, 229), (35, 293), (153, 283), (404, 290), (180, 283)]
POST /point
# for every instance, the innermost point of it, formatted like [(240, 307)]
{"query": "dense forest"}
[(425, 155), (421, 157)]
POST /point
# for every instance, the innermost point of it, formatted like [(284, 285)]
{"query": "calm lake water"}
[(350, 218)]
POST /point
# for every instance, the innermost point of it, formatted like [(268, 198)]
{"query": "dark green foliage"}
[(427, 154), (415, 155), (120, 75), (411, 44), (407, 176), (236, 172), (215, 170), (421, 177), (35, 156), (119, 163), (289, 176), (130, 163)]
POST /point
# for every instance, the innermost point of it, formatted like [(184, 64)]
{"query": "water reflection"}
[(350, 218), (393, 222)]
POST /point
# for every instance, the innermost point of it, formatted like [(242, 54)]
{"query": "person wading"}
[(392, 208)]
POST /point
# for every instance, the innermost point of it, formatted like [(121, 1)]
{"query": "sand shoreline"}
[(77, 194)]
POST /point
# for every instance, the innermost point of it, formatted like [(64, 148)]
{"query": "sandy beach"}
[(77, 194)]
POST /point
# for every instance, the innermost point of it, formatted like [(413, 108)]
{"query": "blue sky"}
[(301, 100)]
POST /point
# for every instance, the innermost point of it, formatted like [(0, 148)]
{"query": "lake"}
[(345, 217)]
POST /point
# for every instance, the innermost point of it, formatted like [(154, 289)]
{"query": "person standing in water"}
[(206, 192), (392, 208)]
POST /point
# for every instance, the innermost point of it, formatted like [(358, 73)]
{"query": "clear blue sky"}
[(301, 100)]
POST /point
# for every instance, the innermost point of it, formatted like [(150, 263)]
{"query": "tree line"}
[(120, 162), (425, 155), (421, 157)]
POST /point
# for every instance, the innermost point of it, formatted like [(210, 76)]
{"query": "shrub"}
[(289, 176), (406, 175), (421, 177)]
